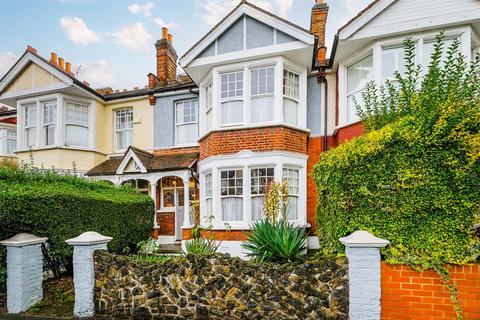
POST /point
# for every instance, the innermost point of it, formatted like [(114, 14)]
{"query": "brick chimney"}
[(317, 26), (166, 59)]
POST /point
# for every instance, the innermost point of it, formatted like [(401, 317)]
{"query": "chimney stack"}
[(317, 27), (166, 59), (53, 59), (61, 63), (68, 67)]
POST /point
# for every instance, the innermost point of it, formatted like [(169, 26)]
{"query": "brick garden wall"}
[(409, 294)]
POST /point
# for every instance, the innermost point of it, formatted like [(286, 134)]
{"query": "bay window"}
[(208, 193), (232, 195), (186, 122), (209, 105), (123, 128), (232, 98), (30, 125), (262, 93), (429, 48), (76, 124), (393, 60), (292, 176), (11, 142), (260, 178), (359, 75), (291, 96), (49, 122)]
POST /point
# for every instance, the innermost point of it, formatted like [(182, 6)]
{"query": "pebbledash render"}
[(260, 101)]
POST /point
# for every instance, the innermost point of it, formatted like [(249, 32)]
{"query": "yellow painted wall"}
[(33, 77), (62, 159), (142, 124)]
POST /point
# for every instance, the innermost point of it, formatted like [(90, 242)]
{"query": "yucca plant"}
[(201, 246), (276, 241)]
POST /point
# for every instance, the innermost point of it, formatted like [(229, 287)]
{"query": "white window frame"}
[(5, 138), (209, 106), (10, 138), (261, 192), (209, 193), (230, 196), (236, 98), (30, 126), (118, 131), (45, 125), (181, 103), (262, 95), (79, 124), (290, 92), (294, 195)]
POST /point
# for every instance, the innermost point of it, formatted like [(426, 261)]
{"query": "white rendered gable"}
[(129, 162)]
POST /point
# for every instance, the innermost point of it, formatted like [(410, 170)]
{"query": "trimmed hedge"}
[(62, 207)]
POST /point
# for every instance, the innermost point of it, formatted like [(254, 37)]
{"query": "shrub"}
[(277, 241), (414, 178), (62, 207), (201, 246)]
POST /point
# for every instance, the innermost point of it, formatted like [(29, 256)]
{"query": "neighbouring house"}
[(8, 135), (260, 102)]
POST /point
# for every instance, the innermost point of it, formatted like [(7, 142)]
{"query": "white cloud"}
[(171, 25), (215, 10), (133, 36), (144, 10), (78, 32), (7, 59), (96, 73)]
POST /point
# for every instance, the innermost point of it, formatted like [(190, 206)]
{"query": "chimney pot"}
[(135, 88), (319, 1), (164, 33), (68, 67), (170, 38), (53, 59), (61, 63), (117, 91), (86, 83), (31, 49)]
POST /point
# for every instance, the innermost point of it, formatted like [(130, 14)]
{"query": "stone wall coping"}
[(23, 239), (363, 239), (89, 238)]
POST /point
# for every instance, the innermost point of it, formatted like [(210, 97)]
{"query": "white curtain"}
[(232, 209), (290, 111), (49, 135), (352, 115), (262, 108), (124, 139), (209, 206), (31, 135), (257, 208), (187, 133), (76, 136), (232, 112), (292, 208), (209, 119)]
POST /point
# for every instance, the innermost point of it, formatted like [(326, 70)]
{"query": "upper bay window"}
[(30, 125), (209, 105), (8, 142), (49, 122), (76, 124), (186, 122), (359, 75), (232, 98), (123, 128), (291, 96), (262, 93)]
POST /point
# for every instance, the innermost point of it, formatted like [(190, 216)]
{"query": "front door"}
[(179, 212)]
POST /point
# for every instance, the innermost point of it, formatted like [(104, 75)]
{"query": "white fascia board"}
[(28, 57), (245, 156), (130, 155), (364, 19), (245, 9), (33, 92)]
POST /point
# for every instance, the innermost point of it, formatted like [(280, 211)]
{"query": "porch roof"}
[(152, 163)]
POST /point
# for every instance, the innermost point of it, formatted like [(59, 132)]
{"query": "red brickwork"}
[(349, 132), (254, 139), (166, 221), (409, 294)]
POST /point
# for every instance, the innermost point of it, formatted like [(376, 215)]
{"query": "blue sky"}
[(113, 40)]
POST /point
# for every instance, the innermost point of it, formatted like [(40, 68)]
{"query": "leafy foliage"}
[(414, 178), (62, 207), (276, 241), (276, 200), (201, 246)]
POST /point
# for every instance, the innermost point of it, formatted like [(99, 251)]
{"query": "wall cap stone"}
[(89, 238), (23, 239), (363, 239)]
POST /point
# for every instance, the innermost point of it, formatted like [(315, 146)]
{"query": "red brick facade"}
[(254, 139), (175, 151), (409, 294)]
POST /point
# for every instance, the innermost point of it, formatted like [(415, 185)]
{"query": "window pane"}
[(169, 198), (76, 136), (291, 85), (77, 113), (292, 208), (262, 108), (232, 209), (31, 115), (257, 208), (232, 85), (393, 60), (30, 137), (50, 112), (124, 119), (186, 134), (359, 74), (232, 112), (262, 81), (429, 48), (49, 134), (290, 111)]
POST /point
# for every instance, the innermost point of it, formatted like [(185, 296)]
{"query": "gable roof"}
[(150, 162), (225, 22)]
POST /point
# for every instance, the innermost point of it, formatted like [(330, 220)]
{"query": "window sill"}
[(239, 226), (345, 125), (255, 125)]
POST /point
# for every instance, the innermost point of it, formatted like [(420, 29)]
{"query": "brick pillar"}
[(83, 270), (24, 271), (363, 253)]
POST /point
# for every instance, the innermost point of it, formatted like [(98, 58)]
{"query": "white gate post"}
[(83, 270), (363, 253), (24, 271)]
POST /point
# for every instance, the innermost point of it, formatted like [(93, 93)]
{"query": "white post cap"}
[(363, 239), (23, 239), (88, 238)]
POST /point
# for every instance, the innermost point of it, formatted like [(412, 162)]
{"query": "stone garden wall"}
[(220, 287)]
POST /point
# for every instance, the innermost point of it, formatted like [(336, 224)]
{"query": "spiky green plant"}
[(201, 246)]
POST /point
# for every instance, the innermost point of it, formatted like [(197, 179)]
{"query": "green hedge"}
[(62, 207), (420, 190)]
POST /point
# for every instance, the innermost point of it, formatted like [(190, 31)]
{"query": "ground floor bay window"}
[(232, 189)]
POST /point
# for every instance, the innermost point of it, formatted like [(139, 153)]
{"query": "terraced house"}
[(260, 102)]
